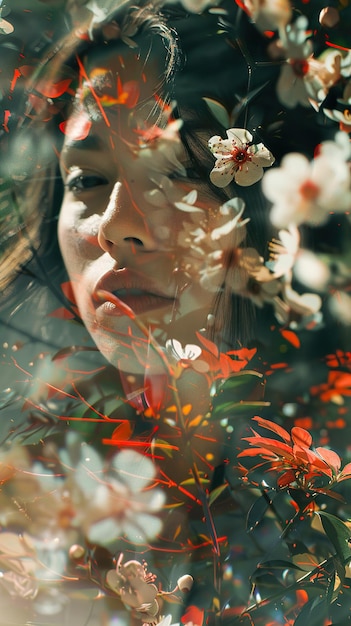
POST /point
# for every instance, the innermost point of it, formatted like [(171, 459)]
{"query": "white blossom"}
[(238, 158), (307, 192)]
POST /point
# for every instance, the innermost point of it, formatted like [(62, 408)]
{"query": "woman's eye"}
[(84, 182)]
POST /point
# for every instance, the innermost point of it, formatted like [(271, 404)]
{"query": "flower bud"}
[(76, 553), (185, 583)]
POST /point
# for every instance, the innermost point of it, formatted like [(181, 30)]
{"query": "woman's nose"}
[(123, 226)]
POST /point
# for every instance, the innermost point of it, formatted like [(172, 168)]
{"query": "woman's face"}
[(126, 227)]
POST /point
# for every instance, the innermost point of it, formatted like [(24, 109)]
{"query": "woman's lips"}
[(139, 303), (131, 289)]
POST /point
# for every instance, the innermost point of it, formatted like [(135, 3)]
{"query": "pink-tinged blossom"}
[(237, 158), (304, 79), (304, 192)]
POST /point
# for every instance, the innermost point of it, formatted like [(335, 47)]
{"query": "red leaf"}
[(244, 353), (346, 472), (155, 391), (291, 337), (256, 452), (193, 615), (285, 479), (209, 345), (123, 431), (62, 314), (331, 458), (275, 428), (67, 291), (301, 437), (53, 90), (271, 445)]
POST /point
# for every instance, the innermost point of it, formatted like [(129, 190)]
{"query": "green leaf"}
[(279, 564), (339, 535), (256, 513), (237, 408), (216, 493), (218, 111), (313, 613), (242, 393)]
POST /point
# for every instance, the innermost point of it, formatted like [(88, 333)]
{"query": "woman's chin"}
[(132, 355)]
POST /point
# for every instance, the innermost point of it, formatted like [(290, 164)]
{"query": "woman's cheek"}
[(78, 236)]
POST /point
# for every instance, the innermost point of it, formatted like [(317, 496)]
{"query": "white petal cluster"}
[(238, 159), (117, 501), (304, 192)]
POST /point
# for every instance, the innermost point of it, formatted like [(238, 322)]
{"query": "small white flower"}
[(238, 158), (298, 310), (176, 350)]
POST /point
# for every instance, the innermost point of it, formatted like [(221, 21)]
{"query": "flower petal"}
[(222, 176), (248, 175), (239, 135)]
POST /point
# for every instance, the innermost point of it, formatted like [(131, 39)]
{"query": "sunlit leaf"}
[(301, 437), (218, 111), (338, 533), (272, 426)]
